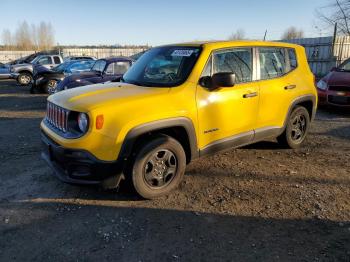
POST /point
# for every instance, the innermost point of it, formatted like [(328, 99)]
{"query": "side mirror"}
[(218, 80), (333, 69)]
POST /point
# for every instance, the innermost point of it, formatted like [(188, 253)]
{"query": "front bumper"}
[(334, 98), (78, 166)]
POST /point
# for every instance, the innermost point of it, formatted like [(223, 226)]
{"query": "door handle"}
[(290, 87), (250, 95)]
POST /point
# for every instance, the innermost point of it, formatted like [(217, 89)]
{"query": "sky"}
[(154, 22)]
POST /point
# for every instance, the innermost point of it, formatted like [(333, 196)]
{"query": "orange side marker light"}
[(99, 121)]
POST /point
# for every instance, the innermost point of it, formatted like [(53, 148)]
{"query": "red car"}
[(334, 88)]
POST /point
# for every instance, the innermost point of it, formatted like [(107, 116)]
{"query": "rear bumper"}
[(77, 166)]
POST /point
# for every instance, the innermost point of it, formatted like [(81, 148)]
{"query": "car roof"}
[(116, 59), (224, 44)]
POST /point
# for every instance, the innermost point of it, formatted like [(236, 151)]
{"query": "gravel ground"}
[(260, 202)]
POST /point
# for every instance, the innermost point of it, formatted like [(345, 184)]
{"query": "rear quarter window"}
[(293, 63), (276, 61)]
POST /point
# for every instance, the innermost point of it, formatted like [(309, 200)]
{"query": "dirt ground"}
[(259, 203)]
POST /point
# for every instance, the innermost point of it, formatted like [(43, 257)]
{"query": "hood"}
[(82, 75), (338, 78), (86, 98), (19, 66)]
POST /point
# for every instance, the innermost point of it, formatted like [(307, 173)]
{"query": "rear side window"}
[(276, 62), (272, 62), (117, 68), (56, 60), (292, 58), (237, 61)]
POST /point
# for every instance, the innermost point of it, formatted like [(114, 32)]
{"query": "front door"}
[(46, 61), (227, 116)]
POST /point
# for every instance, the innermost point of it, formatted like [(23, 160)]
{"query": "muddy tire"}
[(298, 124), (158, 167)]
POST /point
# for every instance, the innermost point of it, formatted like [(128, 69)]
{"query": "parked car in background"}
[(72, 58), (23, 73), (4, 71), (334, 88), (104, 70), (28, 59), (45, 80)]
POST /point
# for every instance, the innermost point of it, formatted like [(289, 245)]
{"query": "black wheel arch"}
[(307, 101), (179, 128), (25, 72)]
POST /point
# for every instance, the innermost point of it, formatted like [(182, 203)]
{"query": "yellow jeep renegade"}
[(175, 104)]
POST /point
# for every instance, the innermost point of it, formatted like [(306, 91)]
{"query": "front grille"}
[(339, 100), (57, 117), (339, 88)]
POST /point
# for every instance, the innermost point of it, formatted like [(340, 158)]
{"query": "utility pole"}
[(334, 39), (265, 35)]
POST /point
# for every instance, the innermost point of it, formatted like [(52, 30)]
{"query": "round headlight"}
[(83, 122), (322, 85)]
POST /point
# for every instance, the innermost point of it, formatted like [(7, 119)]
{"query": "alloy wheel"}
[(298, 129), (160, 168)]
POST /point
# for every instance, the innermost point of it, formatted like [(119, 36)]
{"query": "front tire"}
[(159, 167), (24, 79), (298, 125), (50, 87)]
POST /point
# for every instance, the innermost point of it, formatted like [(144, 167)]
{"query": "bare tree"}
[(336, 12), (239, 34), (23, 36), (27, 37), (45, 34), (292, 33), (7, 40), (34, 35)]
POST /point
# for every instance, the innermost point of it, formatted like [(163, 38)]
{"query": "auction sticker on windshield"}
[(183, 52)]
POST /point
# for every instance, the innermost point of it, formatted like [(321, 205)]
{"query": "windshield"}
[(163, 66), (60, 67), (345, 66), (99, 66), (80, 66)]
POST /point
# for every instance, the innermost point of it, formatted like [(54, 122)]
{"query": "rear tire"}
[(24, 79), (298, 124), (159, 167)]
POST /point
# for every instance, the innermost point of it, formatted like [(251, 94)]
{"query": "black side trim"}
[(227, 143), (267, 132), (134, 133)]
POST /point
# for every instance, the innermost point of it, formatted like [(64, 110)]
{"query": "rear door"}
[(278, 85)]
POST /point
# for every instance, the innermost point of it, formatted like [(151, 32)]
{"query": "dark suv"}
[(104, 70)]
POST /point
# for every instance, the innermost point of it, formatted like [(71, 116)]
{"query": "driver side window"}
[(45, 61), (238, 61)]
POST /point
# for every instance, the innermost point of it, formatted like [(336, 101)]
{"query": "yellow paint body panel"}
[(125, 106)]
